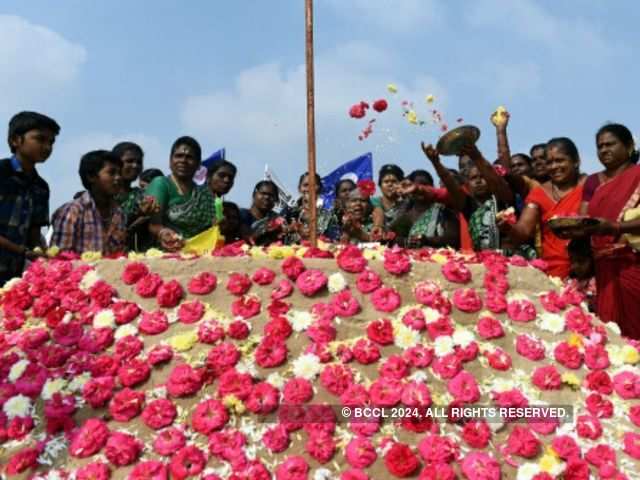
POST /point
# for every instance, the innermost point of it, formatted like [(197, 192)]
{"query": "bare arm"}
[(497, 185), (458, 198), (525, 229)]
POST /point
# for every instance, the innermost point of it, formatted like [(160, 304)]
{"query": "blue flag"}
[(213, 158), (360, 168)]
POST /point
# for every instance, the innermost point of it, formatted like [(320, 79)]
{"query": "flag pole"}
[(311, 126)]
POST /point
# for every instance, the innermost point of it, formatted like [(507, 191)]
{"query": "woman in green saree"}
[(185, 209)]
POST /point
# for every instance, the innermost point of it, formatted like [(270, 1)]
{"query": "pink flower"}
[(222, 357), (292, 267), (596, 357), (263, 276), (523, 443), (238, 330), (271, 352), (397, 262), (278, 328), (345, 304), (189, 461), (566, 447), (401, 461), (160, 354), (202, 284), (311, 282), (321, 446), (210, 332), (499, 359), (93, 471), (246, 307), (495, 302), (184, 380), (395, 367), (336, 378), (416, 394), (282, 290), (414, 319), (238, 284), (351, 260), (521, 310), (122, 449), (98, 391), (438, 449), (601, 455), (632, 444), (126, 405), (552, 302), (149, 470), (489, 328), (366, 352), (588, 427), (419, 356), (263, 399), (22, 461), (600, 382), (148, 285), (634, 415), (568, 355), (133, 272), (447, 366), (293, 468), (385, 299), (169, 441), (297, 391), (510, 398), (464, 388), (530, 347), (480, 466), (358, 110), (360, 453), (547, 378), (169, 294), (368, 281), (235, 383), (209, 416), (125, 312), (456, 272), (598, 406), (476, 434), (381, 331), (276, 439), (227, 444), (190, 312), (467, 300), (159, 413), (385, 392)]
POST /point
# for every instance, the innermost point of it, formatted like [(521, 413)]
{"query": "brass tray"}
[(451, 142), (568, 224)]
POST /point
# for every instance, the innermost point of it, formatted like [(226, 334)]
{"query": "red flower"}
[(547, 378), (169, 441), (68, 334), (292, 267), (133, 272), (367, 188), (276, 439), (246, 307), (523, 443), (632, 444), (321, 446), (464, 388), (489, 328), (499, 359), (235, 383), (600, 382), (149, 470), (263, 276), (419, 356), (102, 294), (476, 434), (521, 310), (278, 328), (122, 449), (366, 352), (160, 354), (380, 105), (358, 110), (238, 284), (292, 468), (32, 380), (336, 378), (381, 331), (169, 294), (148, 285), (125, 312), (385, 299), (397, 262), (385, 392), (98, 391), (126, 404), (238, 330), (480, 463), (184, 380), (368, 281), (530, 348), (93, 471), (202, 284), (589, 427), (159, 413), (596, 357), (351, 260), (467, 300), (283, 290), (311, 282), (133, 372), (222, 357), (297, 391), (209, 416), (190, 312), (128, 347), (153, 323), (456, 272), (600, 407), (566, 447), (401, 461), (345, 304), (568, 355), (414, 319), (210, 332), (89, 438), (263, 399), (271, 352), (22, 461), (438, 449)]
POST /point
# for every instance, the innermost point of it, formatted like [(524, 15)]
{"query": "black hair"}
[(623, 134), (344, 180), (526, 157), (262, 183), (92, 162), (149, 174), (123, 147), (232, 206), (580, 247), (421, 173), (23, 122), (457, 176), (390, 169), (536, 147), (305, 175), (215, 166), (567, 146), (189, 142)]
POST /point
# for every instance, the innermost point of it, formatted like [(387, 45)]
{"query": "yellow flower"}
[(575, 340), (53, 251), (372, 254), (412, 117), (430, 98), (571, 379), (301, 251), (438, 258), (280, 252), (258, 252), (154, 253), (184, 341), (499, 117), (234, 404), (392, 88), (135, 256), (631, 355), (548, 463), (91, 256)]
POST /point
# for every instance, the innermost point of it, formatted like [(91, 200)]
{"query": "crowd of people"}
[(503, 205)]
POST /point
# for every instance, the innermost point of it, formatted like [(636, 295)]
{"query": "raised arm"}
[(525, 229), (497, 185), (500, 119), (457, 198)]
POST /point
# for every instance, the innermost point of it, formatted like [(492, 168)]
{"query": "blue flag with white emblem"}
[(360, 168)]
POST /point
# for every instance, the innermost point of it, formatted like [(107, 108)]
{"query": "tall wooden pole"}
[(311, 126)]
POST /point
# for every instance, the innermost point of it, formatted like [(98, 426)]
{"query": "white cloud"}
[(398, 16), (61, 170), (571, 38), (36, 63), (262, 118), (508, 81)]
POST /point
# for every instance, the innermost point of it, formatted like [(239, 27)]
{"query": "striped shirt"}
[(78, 226)]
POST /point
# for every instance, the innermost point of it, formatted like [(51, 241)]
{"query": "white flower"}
[(17, 406), (88, 280), (17, 369), (10, 284), (527, 471), (551, 322), (463, 337), (300, 320), (78, 382), (430, 314), (502, 385), (307, 366), (104, 318), (443, 345), (53, 386), (336, 282), (323, 474), (516, 297), (276, 380), (418, 376), (405, 337), (614, 327), (616, 355), (125, 331), (245, 366)]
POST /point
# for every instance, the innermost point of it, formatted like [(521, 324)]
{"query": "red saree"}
[(554, 249), (617, 265)]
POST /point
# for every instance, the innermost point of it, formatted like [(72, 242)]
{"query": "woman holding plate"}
[(613, 197)]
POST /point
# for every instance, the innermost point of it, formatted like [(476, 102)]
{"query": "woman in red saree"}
[(559, 197), (611, 193)]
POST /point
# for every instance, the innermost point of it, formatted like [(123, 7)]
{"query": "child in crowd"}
[(148, 175), (231, 226), (24, 194), (583, 269), (93, 222)]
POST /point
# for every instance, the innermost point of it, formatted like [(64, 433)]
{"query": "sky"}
[(232, 75)]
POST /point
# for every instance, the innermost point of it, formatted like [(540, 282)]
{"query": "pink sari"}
[(617, 265)]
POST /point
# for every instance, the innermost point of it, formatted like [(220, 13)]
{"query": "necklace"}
[(178, 187)]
